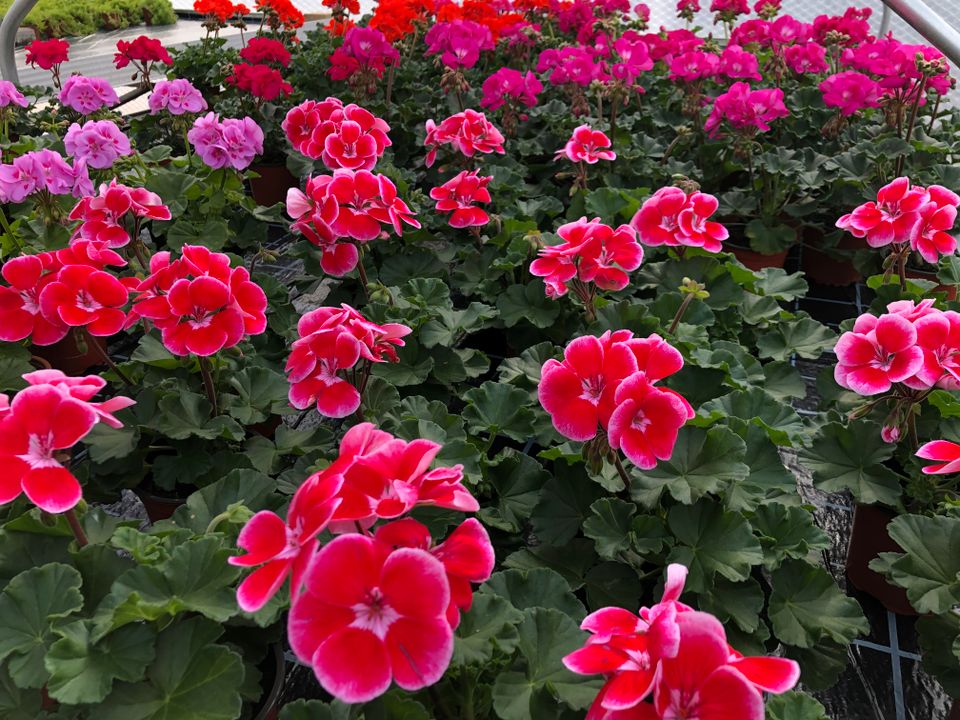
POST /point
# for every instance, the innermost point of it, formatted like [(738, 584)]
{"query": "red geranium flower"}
[(143, 50), (469, 132), (262, 81), (264, 51), (646, 421), (370, 615), (83, 296), (47, 54), (20, 315)]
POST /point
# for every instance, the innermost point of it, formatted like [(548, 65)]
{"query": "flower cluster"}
[(281, 14), (394, 620), (177, 97), (469, 132), (263, 82), (675, 218), (143, 52), (592, 255), (43, 171), (850, 92), (232, 142), (343, 136), (510, 86), (363, 58), (458, 195), (200, 304), (459, 43), (86, 95), (97, 142), (219, 10), (38, 429), (746, 111), (103, 217), (265, 51), (9, 95), (48, 54), (587, 145), (678, 659), (334, 343), (348, 204), (610, 383), (905, 213)]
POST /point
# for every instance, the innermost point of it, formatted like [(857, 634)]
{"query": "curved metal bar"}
[(928, 23), (884, 21), (18, 11)]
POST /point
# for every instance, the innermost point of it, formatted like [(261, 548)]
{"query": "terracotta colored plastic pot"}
[(68, 357), (869, 538), (159, 507), (755, 260), (950, 290), (825, 269), (272, 185)]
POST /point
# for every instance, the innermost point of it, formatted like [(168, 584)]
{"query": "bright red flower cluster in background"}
[(335, 343), (458, 195), (47, 54), (678, 658), (222, 10), (265, 51), (281, 13), (39, 428), (262, 81), (675, 218), (609, 383), (394, 619), (142, 50)]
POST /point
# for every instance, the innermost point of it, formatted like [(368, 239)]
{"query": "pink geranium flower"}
[(370, 616), (459, 42), (343, 136), (469, 132), (646, 421), (98, 142), (9, 95), (675, 218), (281, 547), (806, 58), (20, 315), (694, 65), (83, 296), (850, 92), (587, 145), (177, 97), (104, 216), (467, 557), (746, 111), (737, 63), (945, 456), (86, 95), (877, 353), (508, 85), (233, 142), (891, 219), (929, 235), (458, 195)]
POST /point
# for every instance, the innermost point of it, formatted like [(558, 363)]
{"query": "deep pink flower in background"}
[(264, 51), (469, 132), (284, 547), (458, 196), (944, 454), (750, 33), (459, 42), (20, 315), (850, 92), (143, 50), (728, 10), (808, 57), (877, 353), (587, 145), (369, 616), (854, 24), (467, 556), (891, 218), (787, 30), (570, 65), (737, 63), (233, 142), (43, 170), (507, 85), (745, 110), (9, 95), (686, 9), (365, 51), (98, 142), (86, 95), (177, 97), (694, 65), (675, 218)]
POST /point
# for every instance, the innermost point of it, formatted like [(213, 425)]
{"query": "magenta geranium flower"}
[(86, 95), (459, 42), (850, 91), (694, 65), (177, 97), (467, 556), (806, 58), (587, 145), (9, 95), (281, 547), (20, 315), (737, 63), (944, 454), (343, 136), (929, 235), (388, 623), (877, 353), (98, 142), (891, 218), (233, 142), (458, 196), (646, 420), (506, 85), (746, 111), (675, 218)]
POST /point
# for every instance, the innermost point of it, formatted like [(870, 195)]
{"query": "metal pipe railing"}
[(18, 11), (922, 18)]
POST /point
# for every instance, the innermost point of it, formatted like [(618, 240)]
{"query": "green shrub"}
[(70, 18)]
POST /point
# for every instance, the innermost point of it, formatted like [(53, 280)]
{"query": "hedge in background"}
[(63, 18)]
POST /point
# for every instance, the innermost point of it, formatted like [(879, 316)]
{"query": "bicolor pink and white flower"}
[(675, 218), (459, 196), (469, 132), (891, 218), (944, 454), (587, 145), (877, 353)]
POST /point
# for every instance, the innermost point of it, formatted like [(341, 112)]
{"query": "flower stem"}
[(363, 277), (913, 120), (902, 266), (208, 385), (102, 352), (687, 299), (9, 230), (76, 527), (621, 470)]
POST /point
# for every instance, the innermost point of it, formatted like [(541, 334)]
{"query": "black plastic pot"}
[(868, 539), (274, 664)]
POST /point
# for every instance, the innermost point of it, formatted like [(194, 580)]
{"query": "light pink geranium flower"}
[(98, 142), (86, 95)]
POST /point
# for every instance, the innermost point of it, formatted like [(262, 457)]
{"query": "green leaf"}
[(739, 602), (536, 588), (14, 362), (769, 238), (711, 541), (253, 489), (778, 283), (795, 706), (946, 402), (191, 678), (806, 606), (779, 420), (525, 369), (196, 578), (449, 326), (262, 392), (820, 666), (499, 409), (938, 637), (613, 584), (546, 635), (213, 234), (564, 504), (82, 671), (769, 479), (108, 443), (517, 480), (787, 532), (572, 561), (702, 461), (187, 414), (30, 607), (850, 457), (315, 710), (609, 526), (783, 381), (490, 626), (929, 568), (527, 302), (805, 337)]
